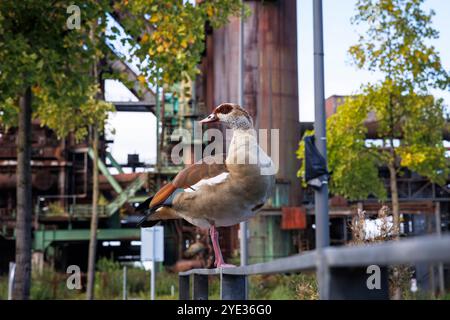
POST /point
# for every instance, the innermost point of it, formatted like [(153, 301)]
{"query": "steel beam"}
[(431, 248), (104, 170), (131, 106), (43, 238), (114, 162), (183, 287), (233, 287), (200, 287), (344, 270), (356, 284)]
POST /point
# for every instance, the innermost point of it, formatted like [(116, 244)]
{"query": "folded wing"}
[(207, 171)]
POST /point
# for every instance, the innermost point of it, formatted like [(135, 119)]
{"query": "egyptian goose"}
[(227, 190)]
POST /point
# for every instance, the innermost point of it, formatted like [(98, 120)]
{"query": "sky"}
[(341, 77), (135, 132)]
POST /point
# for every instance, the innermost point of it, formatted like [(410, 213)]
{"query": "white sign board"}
[(152, 244)]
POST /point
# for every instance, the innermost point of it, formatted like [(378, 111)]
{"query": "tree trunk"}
[(94, 220), (22, 279), (397, 291), (394, 198)]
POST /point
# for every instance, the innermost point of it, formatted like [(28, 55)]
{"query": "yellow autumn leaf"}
[(210, 11), (160, 49), (141, 79), (184, 43), (36, 89), (154, 18), (144, 38), (406, 159)]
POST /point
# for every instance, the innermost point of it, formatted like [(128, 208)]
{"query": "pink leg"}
[(219, 263)]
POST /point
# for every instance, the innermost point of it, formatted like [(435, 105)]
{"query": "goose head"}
[(232, 115)]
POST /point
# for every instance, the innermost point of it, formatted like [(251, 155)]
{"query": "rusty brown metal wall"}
[(270, 82)]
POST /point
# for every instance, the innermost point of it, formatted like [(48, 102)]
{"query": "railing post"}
[(323, 276), (358, 283), (200, 290), (233, 287), (124, 283), (183, 288)]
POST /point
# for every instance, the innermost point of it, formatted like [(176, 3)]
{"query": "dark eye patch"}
[(224, 108)]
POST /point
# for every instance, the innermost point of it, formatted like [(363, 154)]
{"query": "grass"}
[(283, 287), (50, 285)]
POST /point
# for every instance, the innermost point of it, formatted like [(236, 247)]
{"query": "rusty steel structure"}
[(270, 77), (270, 94), (424, 206), (62, 170)]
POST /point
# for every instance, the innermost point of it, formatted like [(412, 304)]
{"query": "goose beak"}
[(209, 119)]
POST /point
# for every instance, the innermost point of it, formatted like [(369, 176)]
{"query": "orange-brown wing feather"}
[(204, 169), (162, 194)]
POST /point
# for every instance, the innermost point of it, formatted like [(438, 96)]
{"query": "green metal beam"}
[(43, 238), (138, 198), (104, 170), (114, 163), (130, 191), (123, 194)]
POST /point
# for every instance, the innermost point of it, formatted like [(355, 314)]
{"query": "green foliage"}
[(354, 166), (395, 43), (171, 36), (77, 119), (38, 50), (52, 285), (283, 287), (4, 287), (109, 285), (55, 209)]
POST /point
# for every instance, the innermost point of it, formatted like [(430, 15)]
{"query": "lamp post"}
[(243, 225), (320, 195)]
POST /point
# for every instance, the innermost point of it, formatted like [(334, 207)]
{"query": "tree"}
[(409, 120), (45, 74), (92, 254), (168, 40), (170, 37)]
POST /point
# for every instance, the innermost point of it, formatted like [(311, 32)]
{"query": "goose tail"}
[(158, 207)]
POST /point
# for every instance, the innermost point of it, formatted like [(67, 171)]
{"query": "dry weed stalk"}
[(400, 275)]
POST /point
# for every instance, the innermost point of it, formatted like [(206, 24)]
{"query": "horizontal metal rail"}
[(340, 267)]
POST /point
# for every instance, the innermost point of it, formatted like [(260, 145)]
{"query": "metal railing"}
[(342, 272)]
